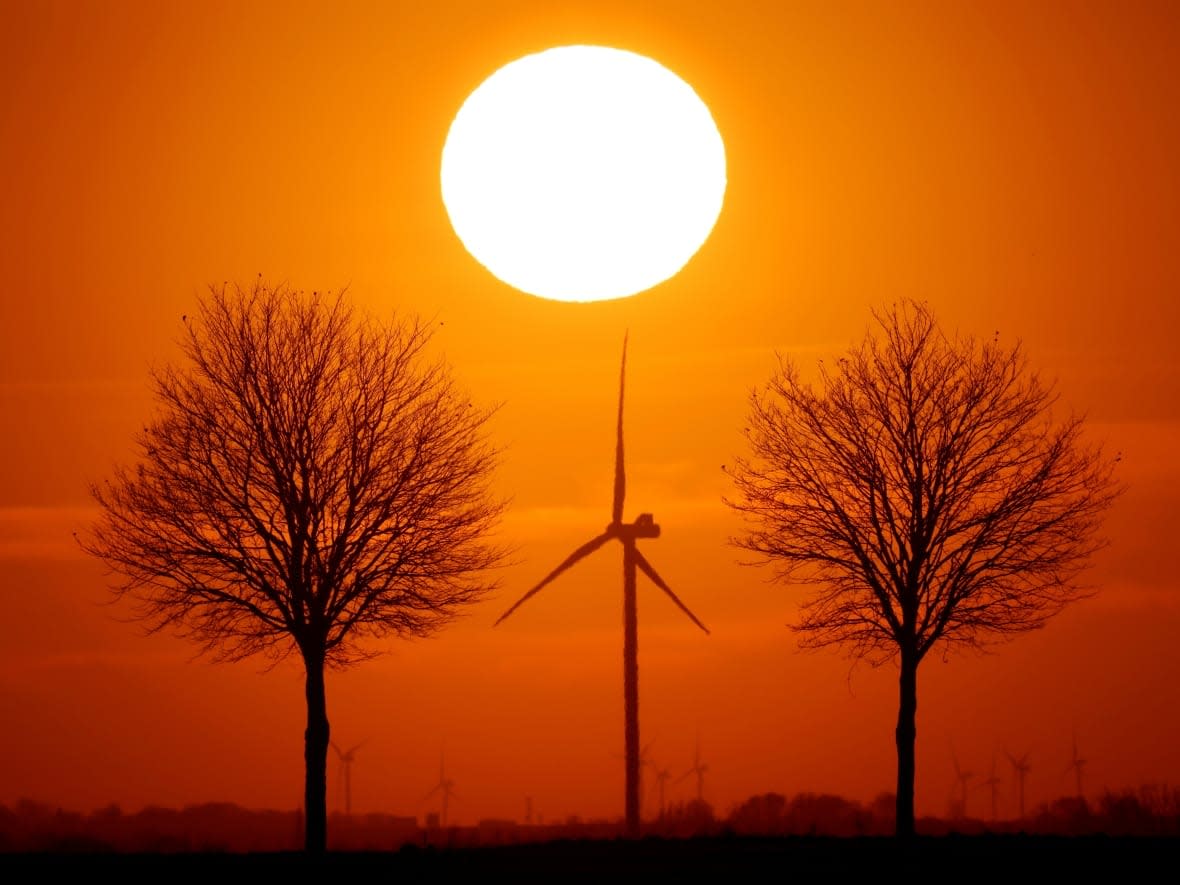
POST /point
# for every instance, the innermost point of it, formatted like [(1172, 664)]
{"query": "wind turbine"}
[(346, 759), (962, 778), (446, 787), (662, 775), (1021, 767), (644, 762), (993, 782), (698, 768), (627, 533), (1076, 764)]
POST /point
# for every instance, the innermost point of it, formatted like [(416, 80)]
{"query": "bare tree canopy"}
[(925, 490), (310, 481)]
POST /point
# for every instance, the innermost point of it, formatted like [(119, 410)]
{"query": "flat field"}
[(726, 858)]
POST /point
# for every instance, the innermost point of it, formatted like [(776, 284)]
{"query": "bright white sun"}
[(583, 173)]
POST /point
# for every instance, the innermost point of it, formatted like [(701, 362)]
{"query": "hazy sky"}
[(1014, 164)]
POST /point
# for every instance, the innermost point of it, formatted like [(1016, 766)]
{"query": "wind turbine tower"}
[(626, 533)]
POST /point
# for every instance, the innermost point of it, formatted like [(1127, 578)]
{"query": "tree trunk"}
[(905, 737), (315, 757), (631, 689)]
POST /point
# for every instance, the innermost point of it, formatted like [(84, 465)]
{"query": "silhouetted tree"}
[(761, 815), (687, 819), (924, 488), (310, 481), (826, 814)]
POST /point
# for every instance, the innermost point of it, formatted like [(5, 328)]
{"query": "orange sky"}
[(1012, 163)]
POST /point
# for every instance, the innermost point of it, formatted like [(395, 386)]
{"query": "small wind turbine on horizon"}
[(446, 787), (698, 768), (962, 779), (1075, 765), (662, 775), (1020, 767), (627, 533), (644, 762), (993, 783), (346, 759)]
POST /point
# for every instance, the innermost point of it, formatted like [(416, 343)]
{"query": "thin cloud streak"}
[(42, 532)]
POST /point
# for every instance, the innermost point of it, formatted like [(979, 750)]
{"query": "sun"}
[(583, 173)]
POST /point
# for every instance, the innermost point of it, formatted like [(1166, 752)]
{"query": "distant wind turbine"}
[(699, 769), (627, 533), (645, 762), (993, 783), (962, 779), (1020, 767), (662, 775), (346, 759), (445, 787), (1076, 764)]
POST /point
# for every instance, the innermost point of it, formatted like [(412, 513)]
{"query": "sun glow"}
[(583, 173)]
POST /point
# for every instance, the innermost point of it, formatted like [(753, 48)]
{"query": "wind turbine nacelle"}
[(643, 527)]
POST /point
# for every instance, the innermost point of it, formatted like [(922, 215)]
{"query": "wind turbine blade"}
[(645, 566), (620, 476), (582, 552)]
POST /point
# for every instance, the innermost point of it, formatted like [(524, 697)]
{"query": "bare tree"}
[(310, 482), (925, 491)]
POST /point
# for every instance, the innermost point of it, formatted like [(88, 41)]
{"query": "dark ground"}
[(728, 859)]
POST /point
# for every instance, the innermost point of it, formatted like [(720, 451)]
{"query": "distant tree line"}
[(31, 826)]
